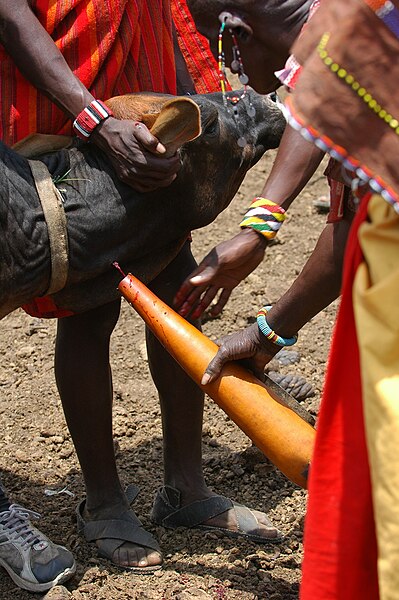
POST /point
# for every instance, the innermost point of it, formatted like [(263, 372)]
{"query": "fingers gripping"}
[(147, 140)]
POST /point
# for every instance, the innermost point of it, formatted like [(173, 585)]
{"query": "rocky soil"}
[(41, 471)]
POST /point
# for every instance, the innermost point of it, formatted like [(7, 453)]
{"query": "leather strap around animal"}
[(55, 218)]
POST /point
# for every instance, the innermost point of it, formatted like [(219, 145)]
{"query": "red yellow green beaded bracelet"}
[(271, 335), (264, 216)]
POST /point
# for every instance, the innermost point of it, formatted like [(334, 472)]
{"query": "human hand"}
[(136, 155), (219, 273), (250, 343)]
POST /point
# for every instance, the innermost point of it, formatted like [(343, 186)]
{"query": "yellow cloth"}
[(376, 307)]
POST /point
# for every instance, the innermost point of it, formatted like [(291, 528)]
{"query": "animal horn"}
[(284, 437)]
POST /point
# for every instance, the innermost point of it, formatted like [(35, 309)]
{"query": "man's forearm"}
[(316, 286), (38, 58), (296, 161)]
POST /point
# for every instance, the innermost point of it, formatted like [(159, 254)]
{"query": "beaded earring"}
[(236, 67)]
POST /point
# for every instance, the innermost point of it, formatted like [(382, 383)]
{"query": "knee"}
[(96, 324)]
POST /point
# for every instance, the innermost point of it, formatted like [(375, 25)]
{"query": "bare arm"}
[(233, 260), (296, 161), (38, 58), (133, 151), (316, 287)]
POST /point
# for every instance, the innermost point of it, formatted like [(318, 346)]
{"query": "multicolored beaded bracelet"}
[(269, 333), (264, 216), (91, 116)]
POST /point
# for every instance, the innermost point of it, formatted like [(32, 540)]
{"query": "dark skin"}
[(182, 428), (135, 154), (82, 366), (233, 260), (265, 31), (264, 47), (87, 403), (316, 287), (137, 157)]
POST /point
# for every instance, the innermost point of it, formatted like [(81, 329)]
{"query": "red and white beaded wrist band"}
[(91, 116)]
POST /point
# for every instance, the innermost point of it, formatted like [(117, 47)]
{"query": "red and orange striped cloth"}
[(113, 47), (194, 47)]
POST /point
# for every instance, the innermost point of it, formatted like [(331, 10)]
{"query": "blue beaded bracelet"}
[(269, 333)]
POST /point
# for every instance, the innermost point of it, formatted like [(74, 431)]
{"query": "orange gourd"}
[(284, 437)]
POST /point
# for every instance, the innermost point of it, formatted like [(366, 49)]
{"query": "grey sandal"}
[(168, 512), (112, 533)]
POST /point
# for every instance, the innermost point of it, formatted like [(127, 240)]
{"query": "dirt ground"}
[(37, 453)]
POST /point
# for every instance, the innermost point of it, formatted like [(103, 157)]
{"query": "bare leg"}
[(84, 382), (182, 404)]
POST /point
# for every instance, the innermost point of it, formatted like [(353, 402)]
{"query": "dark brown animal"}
[(107, 220)]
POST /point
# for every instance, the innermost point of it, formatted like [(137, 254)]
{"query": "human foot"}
[(120, 537), (212, 512)]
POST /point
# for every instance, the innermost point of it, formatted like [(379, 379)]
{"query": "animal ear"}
[(178, 122), (173, 121), (137, 107), (35, 144)]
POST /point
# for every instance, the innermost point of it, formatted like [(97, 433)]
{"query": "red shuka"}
[(340, 542), (114, 47)]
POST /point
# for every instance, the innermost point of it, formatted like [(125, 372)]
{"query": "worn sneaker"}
[(32, 561)]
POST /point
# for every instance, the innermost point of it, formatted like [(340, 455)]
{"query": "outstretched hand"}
[(136, 155), (219, 273), (249, 344)]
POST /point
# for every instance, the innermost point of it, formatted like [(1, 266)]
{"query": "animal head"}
[(175, 121), (206, 130)]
